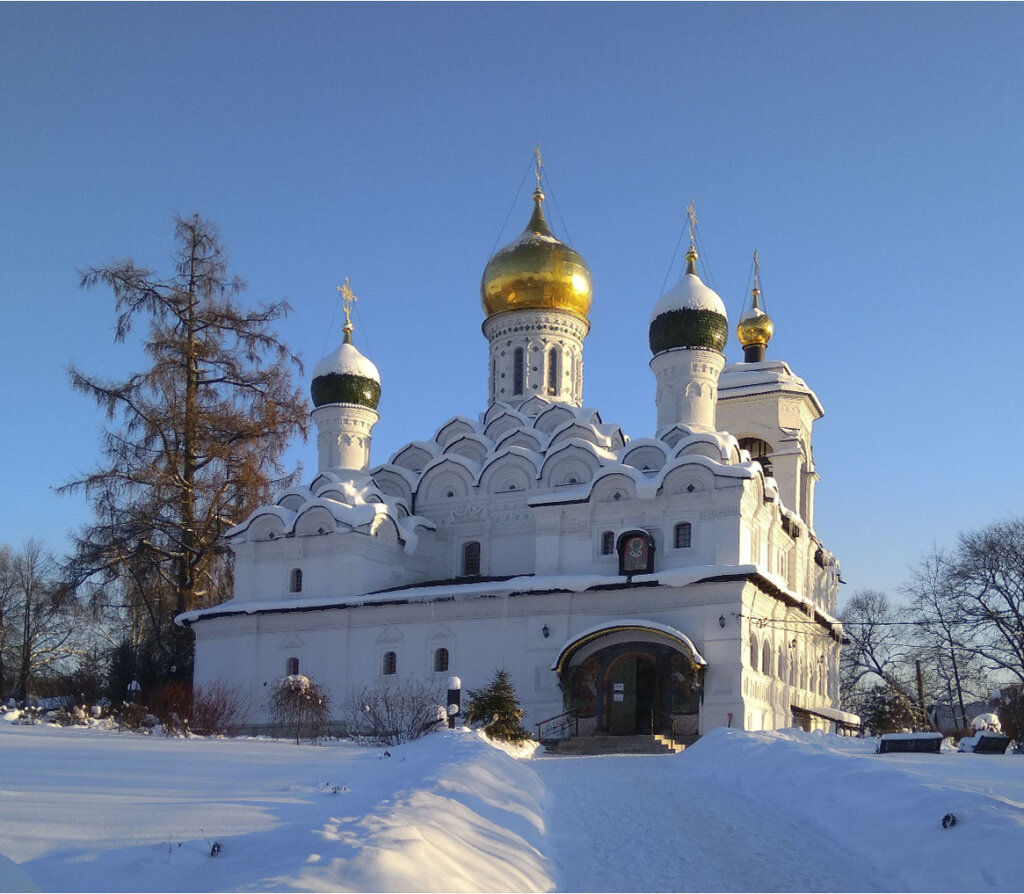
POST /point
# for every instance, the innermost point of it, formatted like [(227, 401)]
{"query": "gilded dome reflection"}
[(536, 272), (755, 328)]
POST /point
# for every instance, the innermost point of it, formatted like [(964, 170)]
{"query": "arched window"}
[(292, 667), (607, 543), (518, 368), (760, 451), (471, 559), (295, 581), (766, 658), (755, 652), (390, 665), (684, 535), (553, 370), (440, 660)]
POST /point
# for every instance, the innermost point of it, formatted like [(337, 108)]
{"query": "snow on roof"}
[(746, 379), (834, 714), (513, 586), (631, 622), (346, 359), (691, 294)]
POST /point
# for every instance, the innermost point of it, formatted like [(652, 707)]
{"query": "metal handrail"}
[(570, 718)]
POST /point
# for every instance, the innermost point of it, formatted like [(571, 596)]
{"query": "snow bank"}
[(475, 825), (884, 810)]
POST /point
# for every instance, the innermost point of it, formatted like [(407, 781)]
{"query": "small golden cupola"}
[(537, 271), (755, 327)]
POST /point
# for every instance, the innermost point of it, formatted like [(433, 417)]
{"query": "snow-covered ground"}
[(94, 810)]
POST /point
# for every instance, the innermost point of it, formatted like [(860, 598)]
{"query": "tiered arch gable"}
[(645, 454), (554, 417), (573, 430), (446, 478), (720, 449), (472, 446), (572, 463), (266, 523), (395, 481), (613, 485), (522, 437), (415, 456), (534, 406), (514, 466), (453, 428), (503, 424)]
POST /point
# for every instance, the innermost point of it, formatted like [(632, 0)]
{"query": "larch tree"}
[(192, 443)]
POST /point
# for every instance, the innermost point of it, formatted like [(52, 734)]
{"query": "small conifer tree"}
[(888, 709), (497, 709)]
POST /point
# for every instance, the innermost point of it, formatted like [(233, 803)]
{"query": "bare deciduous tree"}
[(944, 635), (393, 712), (878, 651), (987, 577), (38, 618)]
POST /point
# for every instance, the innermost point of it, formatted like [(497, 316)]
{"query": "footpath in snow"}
[(92, 810)]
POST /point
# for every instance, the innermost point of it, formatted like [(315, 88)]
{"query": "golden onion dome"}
[(755, 327), (536, 272)]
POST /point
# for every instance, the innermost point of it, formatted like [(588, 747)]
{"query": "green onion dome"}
[(345, 376), (689, 315)]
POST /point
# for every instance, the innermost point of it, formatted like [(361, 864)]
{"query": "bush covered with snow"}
[(302, 707)]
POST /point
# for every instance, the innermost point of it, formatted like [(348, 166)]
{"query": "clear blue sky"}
[(872, 154)]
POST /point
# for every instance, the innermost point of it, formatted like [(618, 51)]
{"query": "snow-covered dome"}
[(689, 315), (345, 376)]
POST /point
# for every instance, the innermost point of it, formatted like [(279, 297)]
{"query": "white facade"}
[(495, 544)]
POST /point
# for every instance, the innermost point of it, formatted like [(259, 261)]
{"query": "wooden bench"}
[(910, 743), (985, 743)]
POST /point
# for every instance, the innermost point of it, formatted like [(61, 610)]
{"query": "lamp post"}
[(454, 700)]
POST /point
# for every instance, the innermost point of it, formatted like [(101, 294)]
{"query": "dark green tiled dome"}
[(345, 377), (345, 388), (688, 328)]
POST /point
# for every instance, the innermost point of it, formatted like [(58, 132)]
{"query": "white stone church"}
[(629, 584)]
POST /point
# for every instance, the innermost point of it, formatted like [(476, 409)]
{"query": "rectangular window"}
[(683, 536), (518, 369), (471, 559)]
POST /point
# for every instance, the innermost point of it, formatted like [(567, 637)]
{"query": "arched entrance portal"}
[(627, 679)]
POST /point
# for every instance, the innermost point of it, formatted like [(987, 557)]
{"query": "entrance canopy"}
[(658, 632)]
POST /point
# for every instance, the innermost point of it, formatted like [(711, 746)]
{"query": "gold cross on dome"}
[(348, 298), (540, 163), (756, 292), (691, 212)]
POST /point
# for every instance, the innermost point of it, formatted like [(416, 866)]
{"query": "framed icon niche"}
[(636, 553)]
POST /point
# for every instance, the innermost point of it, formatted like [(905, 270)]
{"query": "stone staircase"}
[(656, 744)]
